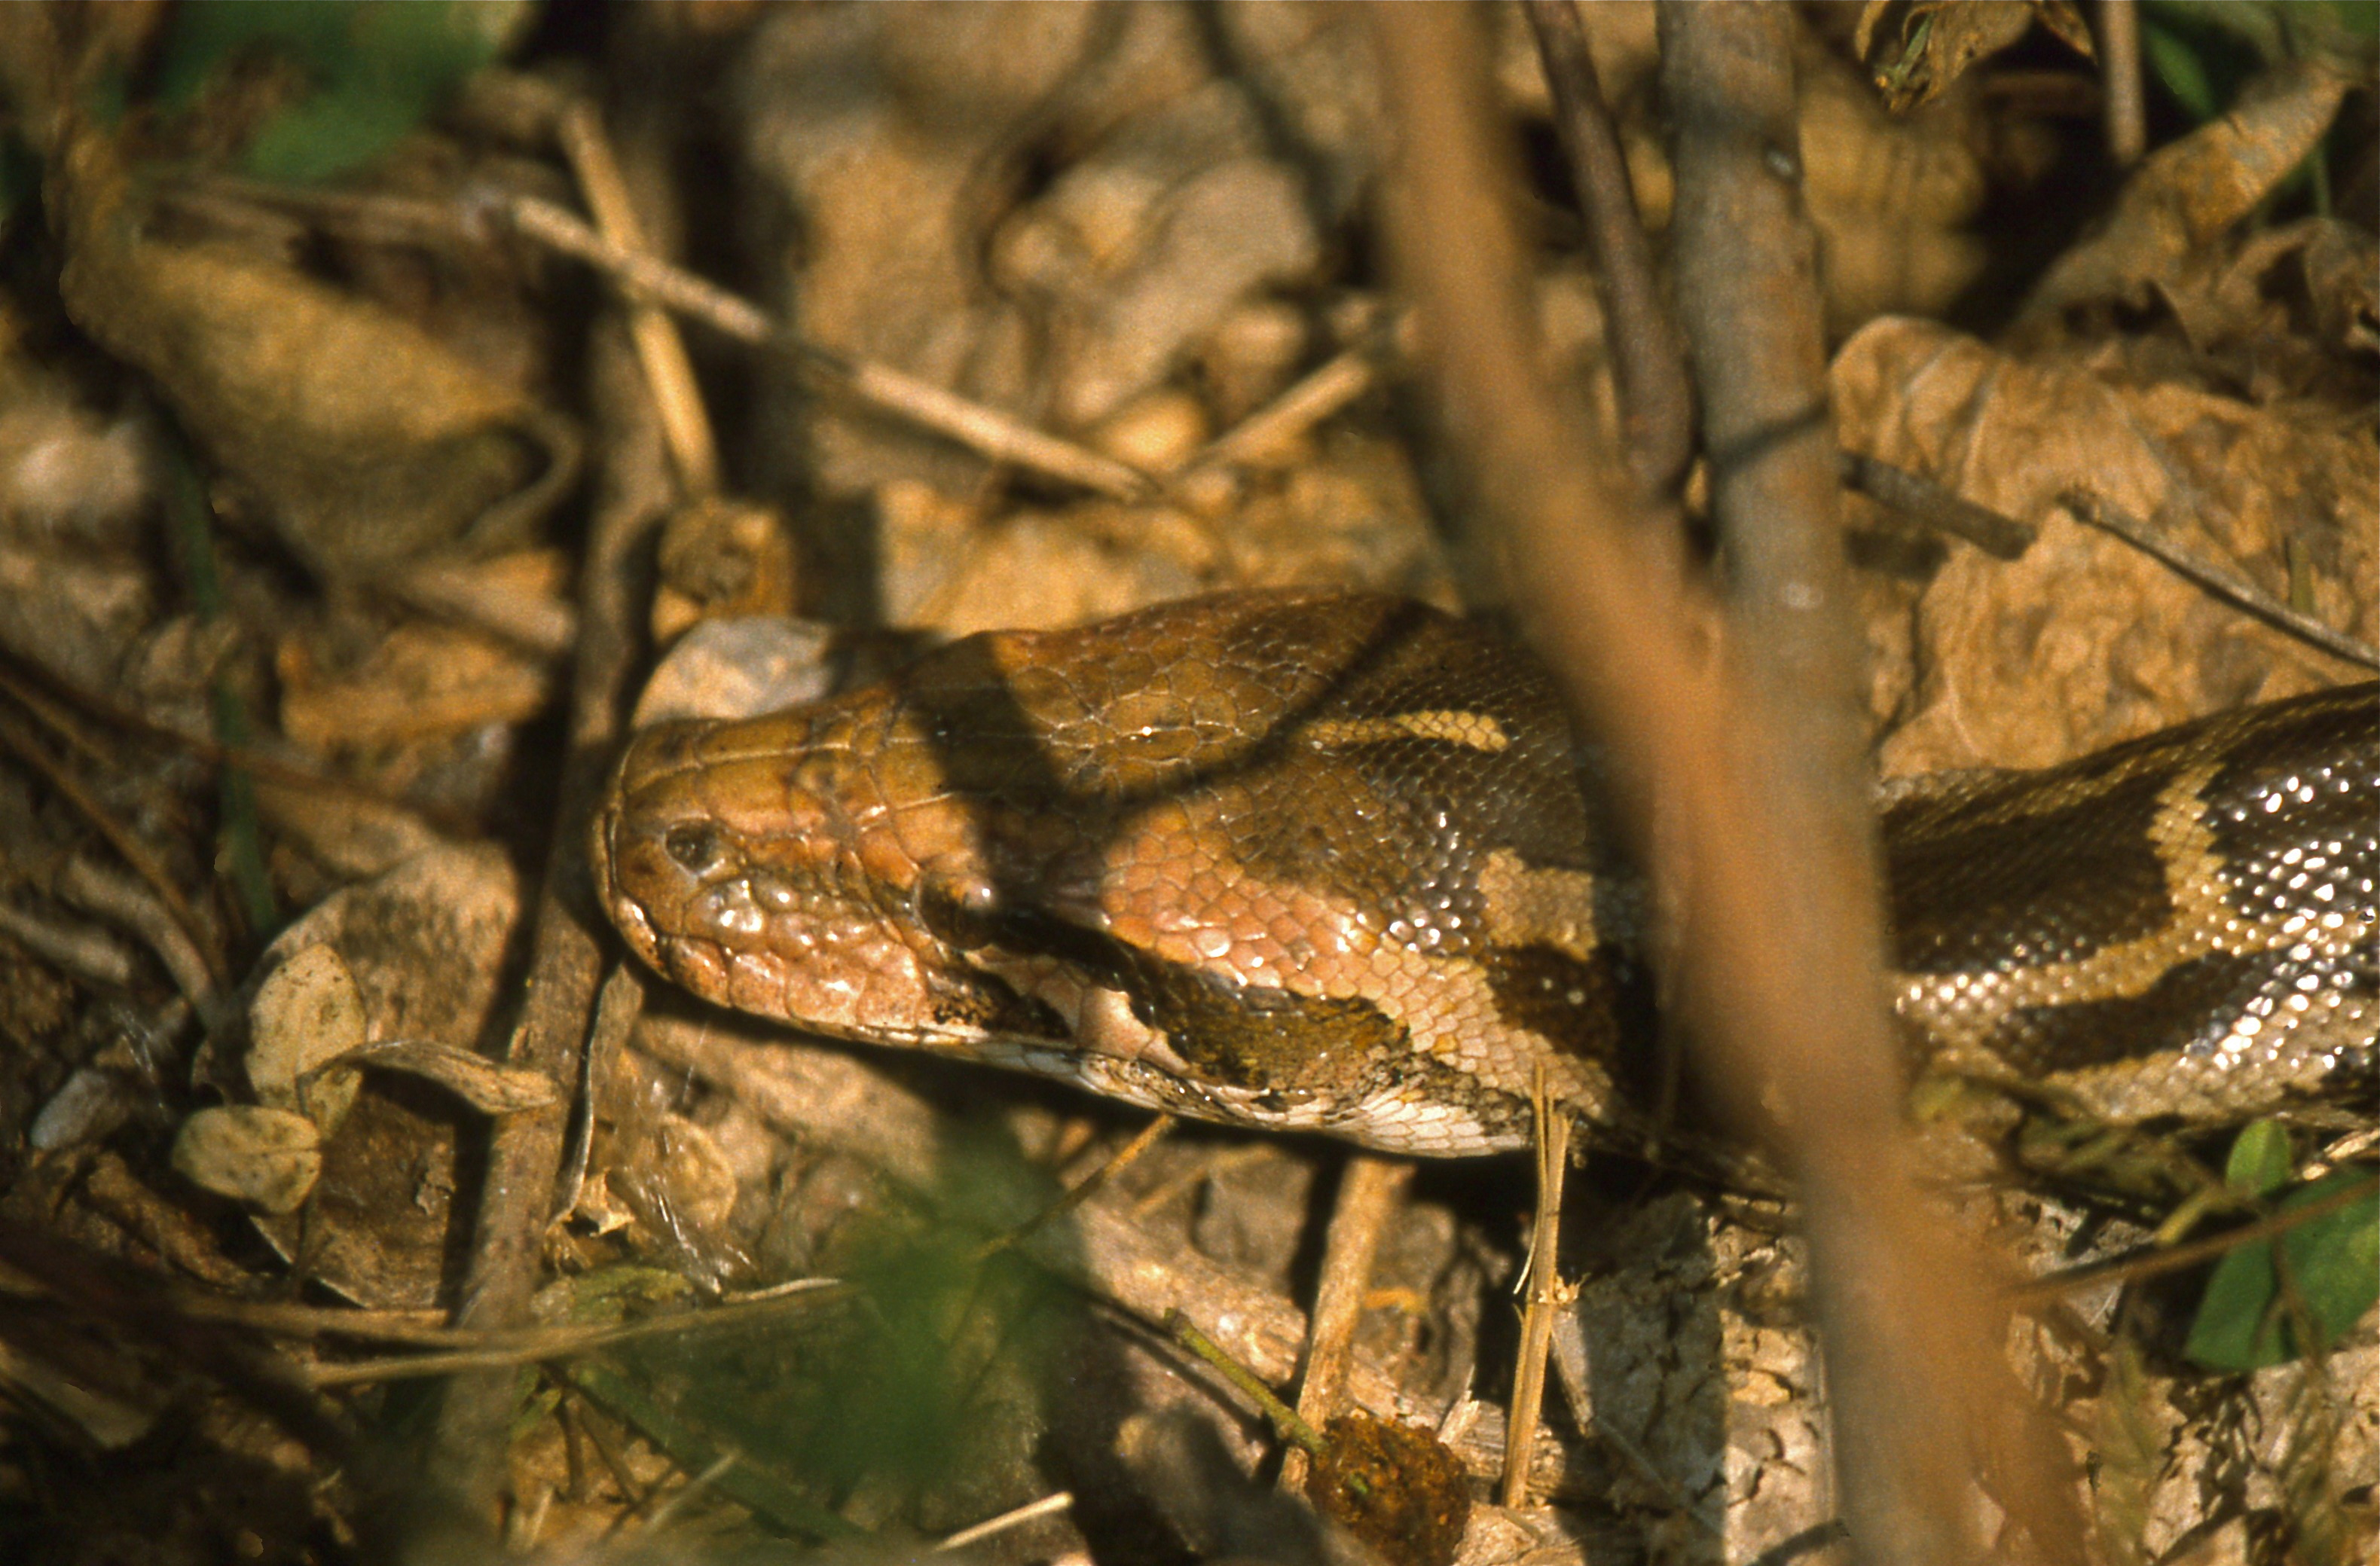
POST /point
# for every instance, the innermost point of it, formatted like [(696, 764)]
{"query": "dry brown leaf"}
[(267, 1159), (2085, 640), (722, 558), (424, 944), (306, 1014), (1940, 41), (2186, 196), (1891, 195), (491, 1088), (423, 681), (364, 439)]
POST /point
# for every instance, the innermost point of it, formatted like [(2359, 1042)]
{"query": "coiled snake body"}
[(1328, 862)]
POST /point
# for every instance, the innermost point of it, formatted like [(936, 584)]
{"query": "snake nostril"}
[(693, 846)]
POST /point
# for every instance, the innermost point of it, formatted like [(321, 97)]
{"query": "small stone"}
[(1252, 355), (1156, 432)]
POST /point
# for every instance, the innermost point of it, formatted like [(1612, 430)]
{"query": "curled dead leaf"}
[(486, 1086), (363, 439), (2185, 196)]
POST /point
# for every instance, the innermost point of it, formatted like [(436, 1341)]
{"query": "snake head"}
[(814, 867), (756, 864)]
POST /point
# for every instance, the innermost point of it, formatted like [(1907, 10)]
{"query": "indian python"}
[(1330, 862)]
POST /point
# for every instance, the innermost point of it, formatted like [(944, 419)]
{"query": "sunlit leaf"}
[(2246, 1321), (2259, 1161)]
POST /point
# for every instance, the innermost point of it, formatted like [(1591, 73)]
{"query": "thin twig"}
[(129, 903), (2119, 76), (192, 938), (83, 950), (748, 1484), (1219, 1161), (1922, 500), (669, 373), (2155, 1261), (1648, 357), (614, 1462), (104, 1292), (1543, 1293), (2232, 589), (1368, 1193), (1780, 977), (616, 1010), (1315, 397), (503, 1350), (983, 429), (1914, 1395), (1284, 1418), (368, 217), (1082, 1191), (1048, 1505), (285, 1318), (697, 1485), (18, 682), (525, 1158)]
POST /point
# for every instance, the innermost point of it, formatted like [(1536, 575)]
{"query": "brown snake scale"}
[(1330, 862)]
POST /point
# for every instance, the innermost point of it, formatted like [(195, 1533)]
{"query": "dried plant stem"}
[(1369, 1190), (486, 1351), (1284, 1418), (617, 1011), (23, 683), (1648, 359), (1765, 865), (193, 960), (1017, 1517), (2157, 1260), (1083, 1190), (129, 903), (88, 953), (983, 429), (686, 425), (525, 1158), (2229, 586), (1542, 1296), (2002, 538), (1313, 398), (2120, 73), (1916, 1392)]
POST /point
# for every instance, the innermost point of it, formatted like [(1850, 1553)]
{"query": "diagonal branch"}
[(1767, 867)]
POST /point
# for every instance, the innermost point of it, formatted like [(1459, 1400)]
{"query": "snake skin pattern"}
[(1331, 862)]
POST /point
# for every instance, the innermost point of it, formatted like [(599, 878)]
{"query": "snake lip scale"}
[(1334, 862)]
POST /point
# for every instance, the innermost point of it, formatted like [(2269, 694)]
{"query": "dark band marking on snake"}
[(1334, 862)]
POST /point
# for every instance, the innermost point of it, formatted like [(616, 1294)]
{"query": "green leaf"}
[(2363, 19), (374, 69), (2259, 1164), (2246, 1321), (2177, 64)]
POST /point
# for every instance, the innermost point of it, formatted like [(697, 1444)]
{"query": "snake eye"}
[(695, 847)]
